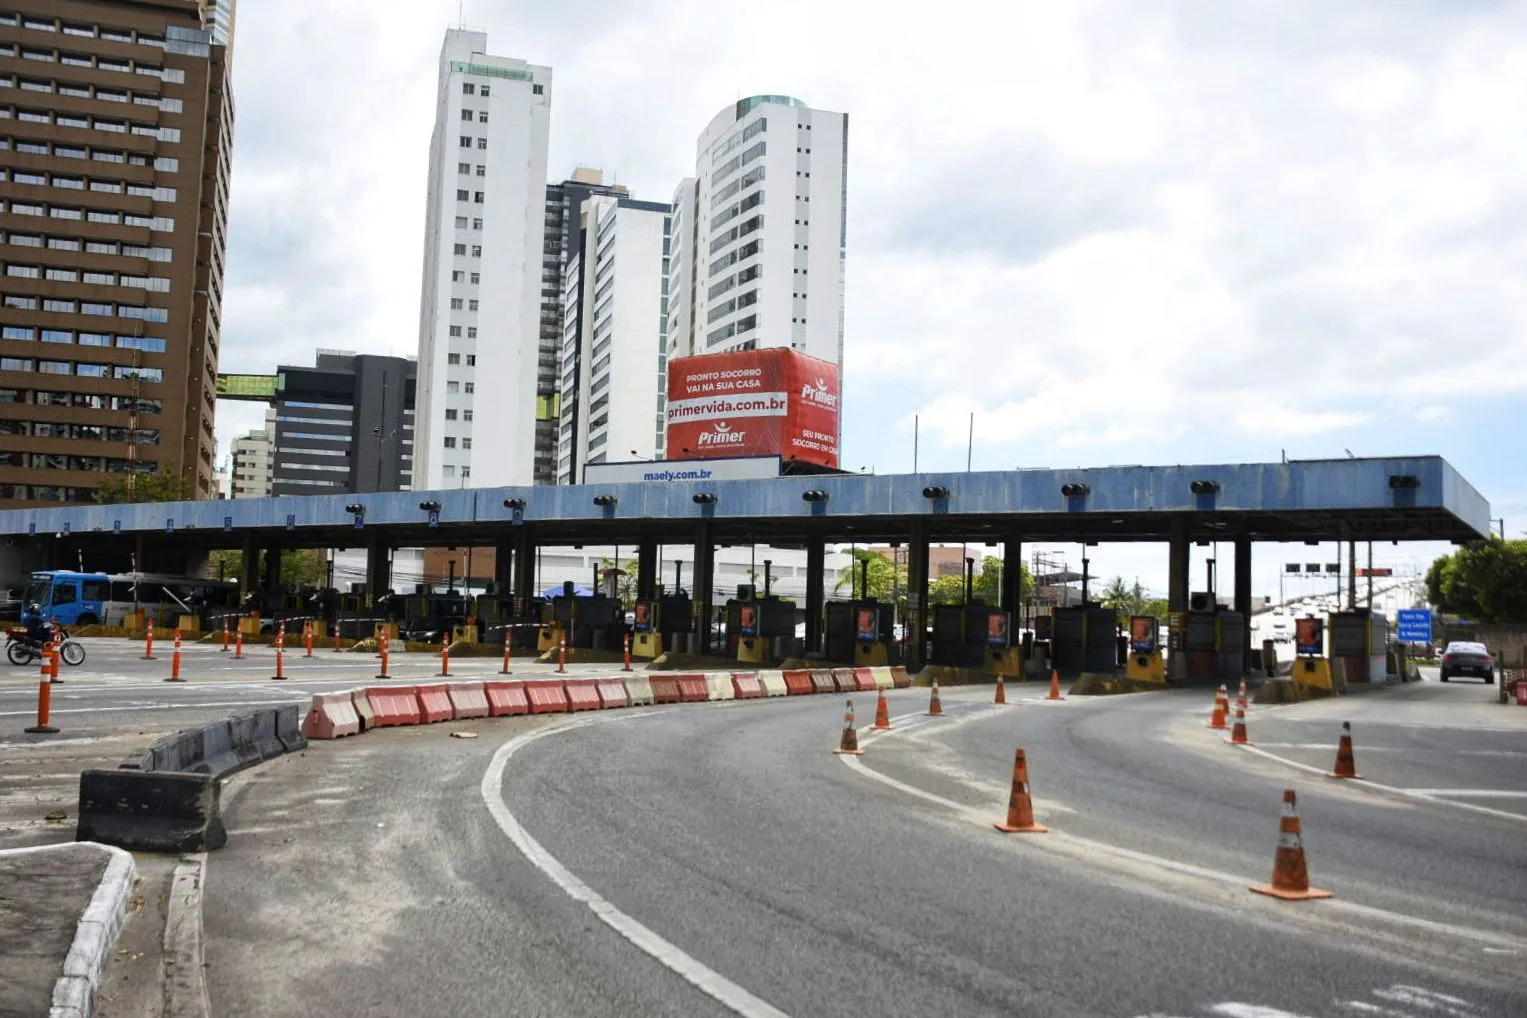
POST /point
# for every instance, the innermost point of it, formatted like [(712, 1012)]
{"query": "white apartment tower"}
[(615, 326), (480, 307), (760, 234)]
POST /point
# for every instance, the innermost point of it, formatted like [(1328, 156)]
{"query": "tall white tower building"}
[(615, 335), (760, 234), (480, 308)]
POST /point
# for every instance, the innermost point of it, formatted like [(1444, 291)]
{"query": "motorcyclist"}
[(38, 630)]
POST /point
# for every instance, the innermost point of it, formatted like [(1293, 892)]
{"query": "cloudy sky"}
[(1118, 233)]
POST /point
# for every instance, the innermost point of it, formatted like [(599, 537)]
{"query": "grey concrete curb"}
[(185, 984), (96, 934)]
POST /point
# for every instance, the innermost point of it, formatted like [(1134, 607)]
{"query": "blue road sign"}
[(227, 524), (1414, 625)]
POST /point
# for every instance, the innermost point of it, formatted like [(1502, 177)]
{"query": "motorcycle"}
[(21, 649)]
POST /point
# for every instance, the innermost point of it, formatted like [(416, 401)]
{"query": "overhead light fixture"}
[(514, 503), (814, 495), (704, 498), (355, 509), (1404, 481), (1076, 490), (1205, 487), (935, 491), (430, 506), (607, 501)]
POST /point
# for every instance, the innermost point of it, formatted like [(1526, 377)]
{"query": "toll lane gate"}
[(1352, 500)]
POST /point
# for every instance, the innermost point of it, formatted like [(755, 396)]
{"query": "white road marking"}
[(1375, 786), (985, 817), (1470, 793), (705, 979), (1428, 1001), (1235, 1009)]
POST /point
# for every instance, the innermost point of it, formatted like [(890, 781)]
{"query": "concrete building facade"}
[(482, 294), (116, 127), (760, 233), (252, 465), (615, 324), (344, 425)]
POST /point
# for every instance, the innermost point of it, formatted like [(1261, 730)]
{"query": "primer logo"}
[(819, 394), (723, 435)]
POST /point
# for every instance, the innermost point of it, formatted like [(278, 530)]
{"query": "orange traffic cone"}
[(1290, 877), (1238, 732), (1346, 764), (1054, 686), (1001, 696), (1240, 701), (934, 707), (1020, 808), (1219, 720), (882, 714), (849, 746)]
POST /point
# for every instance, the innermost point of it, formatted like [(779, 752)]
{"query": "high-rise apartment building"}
[(344, 425), (482, 294), (116, 128), (252, 469), (564, 203), (615, 319), (760, 234)]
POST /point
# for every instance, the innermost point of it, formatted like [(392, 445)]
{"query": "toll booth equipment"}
[(591, 621), (961, 633), (1311, 667), (654, 621), (1145, 663), (1358, 640), (753, 624), (1083, 639), (1215, 641), (1002, 656), (860, 632)]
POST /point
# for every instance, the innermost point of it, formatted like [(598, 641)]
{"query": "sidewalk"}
[(61, 908)]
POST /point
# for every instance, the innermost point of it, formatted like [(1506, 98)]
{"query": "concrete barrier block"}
[(718, 686), (883, 677), (798, 683), (773, 683), (612, 693), (266, 742), (638, 689), (217, 753), (288, 733), (899, 677), (546, 697), (393, 705), (665, 689), (745, 686), (151, 811), (362, 705), (468, 699), (332, 716), (822, 681), (582, 694), (843, 680), (692, 688), (506, 698)]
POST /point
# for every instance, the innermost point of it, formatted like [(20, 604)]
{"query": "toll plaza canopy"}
[(1402, 498)]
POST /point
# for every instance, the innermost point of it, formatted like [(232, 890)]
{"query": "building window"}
[(476, 250), (482, 171), (455, 303), (472, 305), (482, 143), (466, 443), (476, 278), (466, 115), (463, 167), (448, 441), (482, 117), (472, 334), (461, 222), (466, 415), (466, 142), (453, 358), (460, 249), (538, 89), (477, 224), (455, 331), (463, 195), (478, 196), (470, 387), (468, 88), (471, 360), (483, 91), (450, 415), (452, 386)]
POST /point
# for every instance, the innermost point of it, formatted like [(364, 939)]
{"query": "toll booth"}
[(859, 632), (961, 633), (1358, 640), (1215, 641), (1144, 661), (755, 624), (591, 621), (1003, 656), (655, 621), (1311, 667), (1084, 638)]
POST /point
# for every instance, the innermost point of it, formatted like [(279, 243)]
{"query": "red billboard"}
[(773, 402)]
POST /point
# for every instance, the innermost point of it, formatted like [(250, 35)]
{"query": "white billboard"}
[(746, 468)]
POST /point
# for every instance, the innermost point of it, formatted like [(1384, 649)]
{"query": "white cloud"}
[(1141, 226)]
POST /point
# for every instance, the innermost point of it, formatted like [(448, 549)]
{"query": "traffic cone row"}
[(1001, 696), (935, 708), (1290, 877), (1346, 764), (1238, 731), (1020, 807), (849, 744), (1219, 720), (1241, 701), (882, 714), (1054, 686)]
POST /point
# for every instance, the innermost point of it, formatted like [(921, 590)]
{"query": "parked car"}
[(1467, 658)]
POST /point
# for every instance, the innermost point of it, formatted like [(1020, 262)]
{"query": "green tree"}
[(986, 585), (166, 486), (302, 566), (887, 581), (1485, 581), (1125, 599)]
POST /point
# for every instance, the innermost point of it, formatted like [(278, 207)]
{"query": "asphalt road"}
[(627, 859)]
